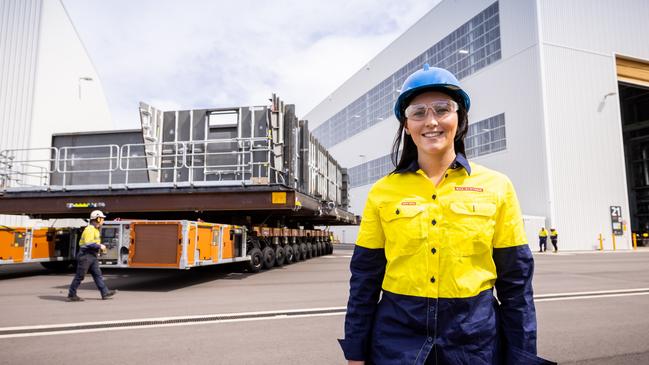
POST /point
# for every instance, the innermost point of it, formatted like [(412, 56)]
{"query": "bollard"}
[(601, 243), (635, 240), (613, 242)]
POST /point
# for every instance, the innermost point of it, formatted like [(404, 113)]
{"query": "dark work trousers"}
[(87, 261), (554, 243), (543, 244)]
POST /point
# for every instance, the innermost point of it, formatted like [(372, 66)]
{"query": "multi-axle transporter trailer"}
[(54, 248), (257, 170), (167, 244), (186, 244)]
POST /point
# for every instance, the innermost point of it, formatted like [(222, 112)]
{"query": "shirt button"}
[(434, 222), (430, 339), (432, 280), (433, 250), (434, 196), (446, 175)]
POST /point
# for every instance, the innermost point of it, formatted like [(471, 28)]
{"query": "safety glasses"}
[(440, 108)]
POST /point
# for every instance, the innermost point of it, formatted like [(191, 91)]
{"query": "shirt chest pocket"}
[(470, 226), (405, 228)]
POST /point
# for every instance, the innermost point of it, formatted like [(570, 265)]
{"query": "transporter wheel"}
[(314, 249), (290, 256), (330, 248), (268, 256), (297, 256), (256, 260), (321, 250), (309, 250), (304, 251), (280, 256)]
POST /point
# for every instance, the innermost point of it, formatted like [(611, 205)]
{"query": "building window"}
[(483, 137), (486, 136), (469, 48), (368, 172)]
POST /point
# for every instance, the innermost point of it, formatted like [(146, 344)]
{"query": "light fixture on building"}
[(84, 78), (463, 51), (600, 107)]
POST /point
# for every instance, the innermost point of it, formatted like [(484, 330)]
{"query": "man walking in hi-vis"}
[(89, 247)]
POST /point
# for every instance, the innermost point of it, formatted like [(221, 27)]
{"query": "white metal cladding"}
[(516, 78), (464, 51), (517, 96), (42, 62), (19, 27), (19, 34), (585, 145), (564, 157), (588, 173), (603, 26), (431, 28)]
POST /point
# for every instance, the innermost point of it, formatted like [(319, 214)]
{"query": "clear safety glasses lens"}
[(440, 108)]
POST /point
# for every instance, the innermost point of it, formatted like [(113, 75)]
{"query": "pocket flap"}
[(397, 211), (474, 208)]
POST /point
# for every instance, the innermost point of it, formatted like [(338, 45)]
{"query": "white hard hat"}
[(97, 214)]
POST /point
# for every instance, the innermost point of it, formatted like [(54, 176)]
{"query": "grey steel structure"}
[(243, 165)]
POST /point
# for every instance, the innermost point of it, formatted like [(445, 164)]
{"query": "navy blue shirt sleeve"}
[(368, 268), (515, 267)]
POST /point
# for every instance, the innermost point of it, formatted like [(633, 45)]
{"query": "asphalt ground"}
[(293, 314)]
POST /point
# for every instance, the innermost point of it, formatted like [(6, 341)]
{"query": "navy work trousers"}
[(543, 244), (87, 261)]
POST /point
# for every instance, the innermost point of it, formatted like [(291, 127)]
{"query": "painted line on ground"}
[(145, 323), (590, 297)]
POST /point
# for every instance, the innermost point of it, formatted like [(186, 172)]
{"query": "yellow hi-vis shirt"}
[(90, 235), (424, 267), (439, 240), (543, 233)]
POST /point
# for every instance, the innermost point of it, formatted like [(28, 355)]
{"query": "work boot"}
[(75, 299), (108, 294)]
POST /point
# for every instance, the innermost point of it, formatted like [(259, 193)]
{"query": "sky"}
[(201, 54)]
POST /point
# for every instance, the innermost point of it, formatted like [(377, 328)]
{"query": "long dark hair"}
[(409, 153)]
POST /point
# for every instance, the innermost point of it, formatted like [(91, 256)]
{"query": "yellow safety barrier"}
[(601, 243), (635, 241), (613, 242)]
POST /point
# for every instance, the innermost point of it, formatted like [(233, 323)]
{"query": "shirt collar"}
[(460, 161)]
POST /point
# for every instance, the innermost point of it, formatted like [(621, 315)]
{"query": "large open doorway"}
[(633, 87)]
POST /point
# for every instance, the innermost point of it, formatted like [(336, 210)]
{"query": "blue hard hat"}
[(429, 79)]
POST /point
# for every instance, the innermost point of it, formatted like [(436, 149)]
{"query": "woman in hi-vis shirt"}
[(437, 235)]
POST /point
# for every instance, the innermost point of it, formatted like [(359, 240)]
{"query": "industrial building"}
[(48, 83), (559, 102)]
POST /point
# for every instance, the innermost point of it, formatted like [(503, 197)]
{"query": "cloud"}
[(194, 54)]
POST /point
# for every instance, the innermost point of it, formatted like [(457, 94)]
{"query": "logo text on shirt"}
[(408, 203), (468, 188)]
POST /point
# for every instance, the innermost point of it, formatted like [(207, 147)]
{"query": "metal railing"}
[(17, 170), (208, 162)]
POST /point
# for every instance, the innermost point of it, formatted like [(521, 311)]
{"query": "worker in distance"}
[(89, 247), (437, 235)]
